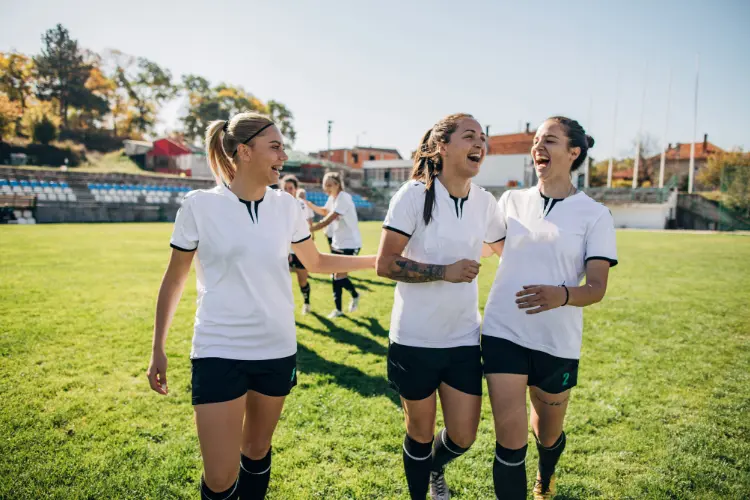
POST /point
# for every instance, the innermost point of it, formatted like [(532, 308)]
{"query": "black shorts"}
[(416, 372), (550, 373), (294, 262), (216, 380), (345, 251)]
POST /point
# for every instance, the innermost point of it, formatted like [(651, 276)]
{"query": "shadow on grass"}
[(339, 334), (371, 324), (308, 361)]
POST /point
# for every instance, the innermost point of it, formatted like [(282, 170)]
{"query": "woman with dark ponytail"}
[(431, 245), (533, 320), (244, 341)]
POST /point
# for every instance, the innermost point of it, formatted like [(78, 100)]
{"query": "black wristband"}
[(567, 295)]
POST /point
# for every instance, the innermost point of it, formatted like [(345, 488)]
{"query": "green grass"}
[(103, 163), (661, 411)]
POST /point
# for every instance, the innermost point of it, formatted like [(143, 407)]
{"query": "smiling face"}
[(331, 187), (466, 149), (551, 153), (265, 155), (289, 188)]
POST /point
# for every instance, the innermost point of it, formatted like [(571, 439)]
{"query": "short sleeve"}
[(601, 242), (342, 204), (496, 228), (403, 212), (185, 232), (300, 229)]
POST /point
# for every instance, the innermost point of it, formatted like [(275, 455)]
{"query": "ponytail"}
[(221, 165), (428, 163)]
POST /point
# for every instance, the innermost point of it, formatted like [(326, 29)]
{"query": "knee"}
[(256, 449), (512, 437), (548, 439), (463, 438), (422, 432), (220, 480)]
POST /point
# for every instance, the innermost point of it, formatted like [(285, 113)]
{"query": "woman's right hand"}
[(463, 271), (157, 372)]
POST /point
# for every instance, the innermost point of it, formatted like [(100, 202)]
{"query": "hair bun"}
[(590, 141)]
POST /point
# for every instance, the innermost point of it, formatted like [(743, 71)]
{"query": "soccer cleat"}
[(542, 491), (354, 304), (438, 486), (335, 314), (306, 309)]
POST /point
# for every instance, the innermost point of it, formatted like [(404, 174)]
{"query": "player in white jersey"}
[(244, 343), (431, 243), (323, 211), (342, 215), (533, 320), (291, 185)]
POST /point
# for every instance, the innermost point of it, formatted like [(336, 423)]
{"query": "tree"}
[(729, 171), (281, 115), (145, 86), (205, 104), (17, 80), (45, 131), (63, 74), (10, 113)]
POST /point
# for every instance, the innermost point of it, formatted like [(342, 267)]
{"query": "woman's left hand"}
[(540, 297)]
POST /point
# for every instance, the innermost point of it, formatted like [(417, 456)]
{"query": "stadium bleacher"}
[(319, 198), (137, 193)]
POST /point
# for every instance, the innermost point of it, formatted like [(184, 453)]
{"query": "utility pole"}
[(330, 123)]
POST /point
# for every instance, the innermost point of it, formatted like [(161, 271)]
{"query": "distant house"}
[(169, 156), (677, 161), (507, 164), (357, 156)]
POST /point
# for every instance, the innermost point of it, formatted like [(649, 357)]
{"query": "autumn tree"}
[(63, 73), (17, 81)]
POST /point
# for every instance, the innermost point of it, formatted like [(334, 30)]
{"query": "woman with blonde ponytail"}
[(244, 341), (431, 245)]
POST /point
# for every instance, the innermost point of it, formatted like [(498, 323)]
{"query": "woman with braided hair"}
[(431, 245)]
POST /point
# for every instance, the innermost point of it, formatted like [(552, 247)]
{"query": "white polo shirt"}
[(439, 313), (245, 303), (345, 229), (329, 206), (548, 242), (307, 212)]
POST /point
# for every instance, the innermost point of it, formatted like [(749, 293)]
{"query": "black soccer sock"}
[(509, 473), (337, 292), (417, 464), (548, 457), (254, 477), (444, 451), (232, 493), (349, 286), (305, 292)]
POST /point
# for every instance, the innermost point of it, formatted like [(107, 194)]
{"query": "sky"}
[(385, 71)]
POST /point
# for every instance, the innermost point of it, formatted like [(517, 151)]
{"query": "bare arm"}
[(326, 263), (540, 298), (332, 216), (318, 210), (597, 274), (170, 292), (391, 264)]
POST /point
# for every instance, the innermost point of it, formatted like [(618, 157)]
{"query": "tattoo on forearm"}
[(408, 271)]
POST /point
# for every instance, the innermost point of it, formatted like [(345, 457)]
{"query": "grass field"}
[(662, 409)]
